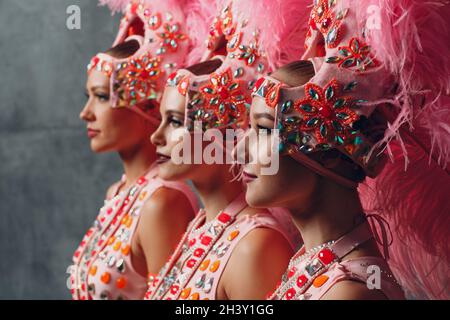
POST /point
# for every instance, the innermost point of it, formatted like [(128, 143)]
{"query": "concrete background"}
[(51, 185)]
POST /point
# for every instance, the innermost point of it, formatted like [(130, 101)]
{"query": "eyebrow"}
[(169, 112), (263, 115), (99, 87)]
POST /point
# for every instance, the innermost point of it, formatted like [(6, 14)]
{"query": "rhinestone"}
[(120, 265), (105, 295), (208, 285), (313, 267), (200, 281), (111, 261)]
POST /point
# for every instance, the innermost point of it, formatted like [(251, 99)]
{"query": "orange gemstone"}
[(105, 278), (111, 240), (204, 265), (124, 219), (93, 270), (195, 296), (126, 250), (117, 245), (320, 280), (214, 266), (121, 283), (233, 235), (129, 222), (205, 299), (185, 293), (142, 195)]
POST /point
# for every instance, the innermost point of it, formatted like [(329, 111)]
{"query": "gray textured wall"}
[(51, 184)]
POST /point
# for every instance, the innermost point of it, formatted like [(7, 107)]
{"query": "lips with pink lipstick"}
[(92, 133), (248, 177), (161, 158)]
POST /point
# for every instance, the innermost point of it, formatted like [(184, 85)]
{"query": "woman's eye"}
[(102, 97), (175, 122), (259, 128)]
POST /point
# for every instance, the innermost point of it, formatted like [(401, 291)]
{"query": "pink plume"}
[(411, 38), (115, 5), (416, 205), (199, 16), (282, 25)]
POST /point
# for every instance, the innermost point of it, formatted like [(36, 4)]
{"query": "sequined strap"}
[(351, 240)]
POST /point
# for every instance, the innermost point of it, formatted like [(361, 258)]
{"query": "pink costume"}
[(196, 266), (311, 274), (102, 267), (374, 56), (221, 100)]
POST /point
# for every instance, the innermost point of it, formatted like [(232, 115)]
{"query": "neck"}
[(334, 214), (136, 161), (218, 192)]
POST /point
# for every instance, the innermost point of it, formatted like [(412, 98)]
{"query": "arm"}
[(256, 265), (164, 219)]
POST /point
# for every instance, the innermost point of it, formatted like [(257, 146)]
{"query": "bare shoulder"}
[(164, 218), (167, 203), (352, 290), (256, 264)]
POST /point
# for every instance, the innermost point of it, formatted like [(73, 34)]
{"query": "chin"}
[(170, 172)]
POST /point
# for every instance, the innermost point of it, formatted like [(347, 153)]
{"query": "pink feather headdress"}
[(389, 55), (167, 41)]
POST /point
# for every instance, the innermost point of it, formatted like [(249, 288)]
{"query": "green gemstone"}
[(350, 86), (323, 130), (286, 106), (339, 103), (332, 59), (312, 122), (329, 93), (306, 107), (313, 94)]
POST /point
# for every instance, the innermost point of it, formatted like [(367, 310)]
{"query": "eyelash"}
[(259, 127), (102, 98), (174, 122)]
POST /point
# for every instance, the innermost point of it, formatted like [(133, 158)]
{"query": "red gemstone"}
[(258, 84), (326, 256), (206, 240), (192, 242), (141, 180), (223, 93), (190, 263), (301, 281), (83, 287), (102, 219), (290, 294), (100, 242), (325, 111), (291, 272), (89, 232), (174, 289), (109, 211), (93, 253), (134, 7), (326, 23), (82, 243), (77, 254), (172, 76), (198, 252), (223, 217)]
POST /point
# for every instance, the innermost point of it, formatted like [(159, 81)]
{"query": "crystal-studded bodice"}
[(102, 267), (312, 274), (198, 263)]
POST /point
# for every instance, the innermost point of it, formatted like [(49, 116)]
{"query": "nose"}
[(157, 138), (86, 113), (240, 153)]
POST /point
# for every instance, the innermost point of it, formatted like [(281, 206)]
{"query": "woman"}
[(331, 139), (230, 250), (144, 216)]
